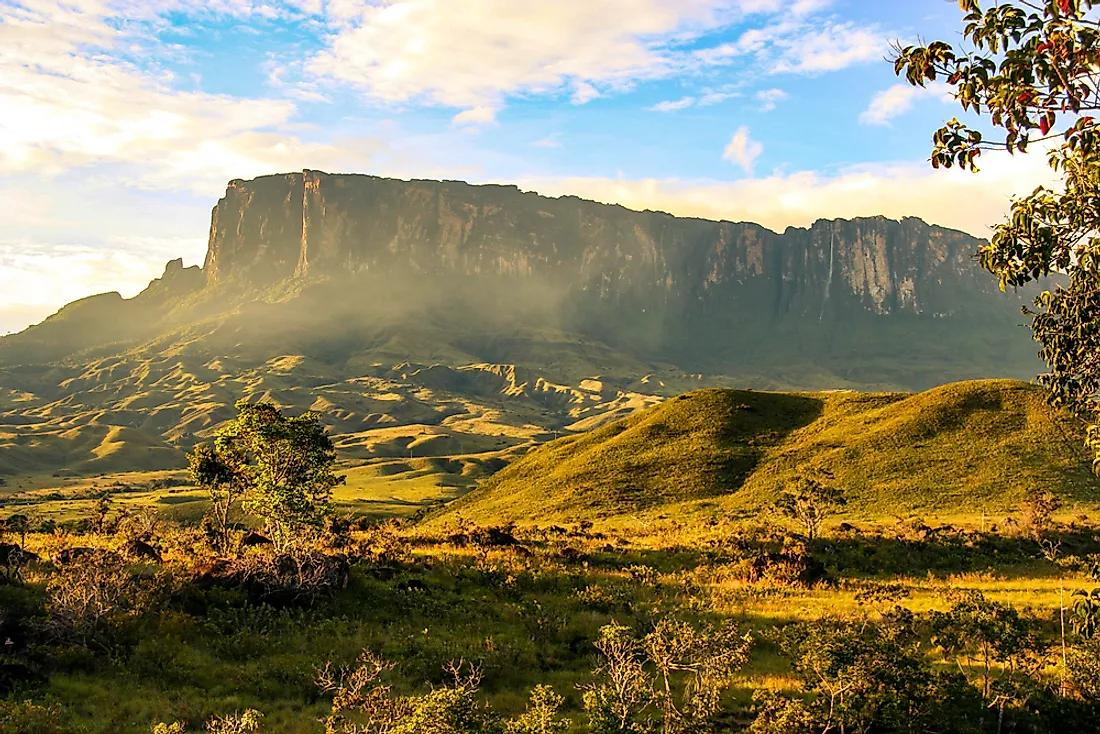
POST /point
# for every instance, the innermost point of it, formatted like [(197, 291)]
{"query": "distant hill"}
[(443, 318), (963, 447)]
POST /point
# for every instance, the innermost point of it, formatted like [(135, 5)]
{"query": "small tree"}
[(862, 677), (809, 502), (281, 467), (19, 525), (224, 486), (671, 680), (1086, 612), (363, 704), (541, 716), (992, 641)]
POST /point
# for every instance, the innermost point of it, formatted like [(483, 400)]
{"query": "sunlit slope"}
[(968, 446)]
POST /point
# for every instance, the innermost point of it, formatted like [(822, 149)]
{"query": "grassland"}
[(654, 515), (525, 618), (978, 445)]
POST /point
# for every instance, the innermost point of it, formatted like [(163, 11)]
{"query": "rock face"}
[(315, 225), (360, 272), (440, 319)]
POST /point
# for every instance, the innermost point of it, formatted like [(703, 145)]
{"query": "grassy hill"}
[(964, 447)]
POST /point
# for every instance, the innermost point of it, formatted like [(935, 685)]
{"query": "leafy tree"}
[(363, 704), (224, 486), (1004, 649), (1031, 68), (809, 502), (1086, 612), (1084, 669), (541, 716), (870, 676), (18, 524), (281, 466)]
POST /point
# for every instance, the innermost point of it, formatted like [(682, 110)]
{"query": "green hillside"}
[(964, 447)]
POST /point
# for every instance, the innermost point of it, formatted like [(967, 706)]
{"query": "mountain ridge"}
[(475, 312)]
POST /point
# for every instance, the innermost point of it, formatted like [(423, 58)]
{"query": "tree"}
[(1086, 612), (865, 676), (224, 486), (1032, 69), (18, 524), (809, 502), (541, 716), (363, 704), (281, 467), (671, 680), (1002, 650)]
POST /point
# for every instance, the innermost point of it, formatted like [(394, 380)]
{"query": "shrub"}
[(672, 679), (541, 716), (26, 717)]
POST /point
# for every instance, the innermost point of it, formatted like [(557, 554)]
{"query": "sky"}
[(123, 120)]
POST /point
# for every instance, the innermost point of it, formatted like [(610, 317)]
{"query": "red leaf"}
[(1044, 125)]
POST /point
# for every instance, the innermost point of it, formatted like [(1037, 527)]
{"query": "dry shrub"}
[(84, 597)]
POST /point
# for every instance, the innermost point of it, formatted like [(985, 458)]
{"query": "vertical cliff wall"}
[(317, 225)]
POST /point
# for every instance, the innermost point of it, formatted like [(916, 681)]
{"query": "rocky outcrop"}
[(360, 272), (316, 225)]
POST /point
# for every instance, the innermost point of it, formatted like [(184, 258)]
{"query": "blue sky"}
[(124, 119)]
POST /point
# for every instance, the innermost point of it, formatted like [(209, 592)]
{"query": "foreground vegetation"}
[(274, 610), (125, 622)]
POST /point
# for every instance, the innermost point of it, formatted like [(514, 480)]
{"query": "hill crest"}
[(980, 444)]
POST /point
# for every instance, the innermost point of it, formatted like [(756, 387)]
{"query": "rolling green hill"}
[(964, 447)]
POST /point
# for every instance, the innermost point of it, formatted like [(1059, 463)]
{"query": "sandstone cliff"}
[(315, 225), (358, 271)]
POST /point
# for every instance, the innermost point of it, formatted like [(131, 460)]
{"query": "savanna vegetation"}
[(726, 561), (278, 613)]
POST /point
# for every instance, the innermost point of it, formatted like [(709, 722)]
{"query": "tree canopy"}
[(1031, 70), (280, 466)]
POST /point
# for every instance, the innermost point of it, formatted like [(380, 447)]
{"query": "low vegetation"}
[(277, 612), (793, 620), (978, 445)]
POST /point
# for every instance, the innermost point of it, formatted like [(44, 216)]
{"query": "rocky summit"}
[(476, 311)]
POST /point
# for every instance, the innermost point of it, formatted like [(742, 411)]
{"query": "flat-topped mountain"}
[(485, 310), (313, 224)]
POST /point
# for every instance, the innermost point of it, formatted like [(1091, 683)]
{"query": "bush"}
[(26, 717), (673, 678)]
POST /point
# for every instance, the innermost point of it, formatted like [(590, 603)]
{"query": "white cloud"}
[(899, 99), (833, 47), (480, 115), (473, 53), (743, 150), (769, 98), (480, 52), (70, 101), (951, 198), (796, 44), (550, 141), (583, 93), (670, 105)]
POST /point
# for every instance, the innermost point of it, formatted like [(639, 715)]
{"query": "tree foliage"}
[(809, 502), (871, 676), (670, 680), (1031, 69), (280, 467)]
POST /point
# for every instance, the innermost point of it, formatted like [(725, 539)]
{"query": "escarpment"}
[(315, 225), (362, 273)]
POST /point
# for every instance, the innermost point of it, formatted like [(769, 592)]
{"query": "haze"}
[(123, 119)]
